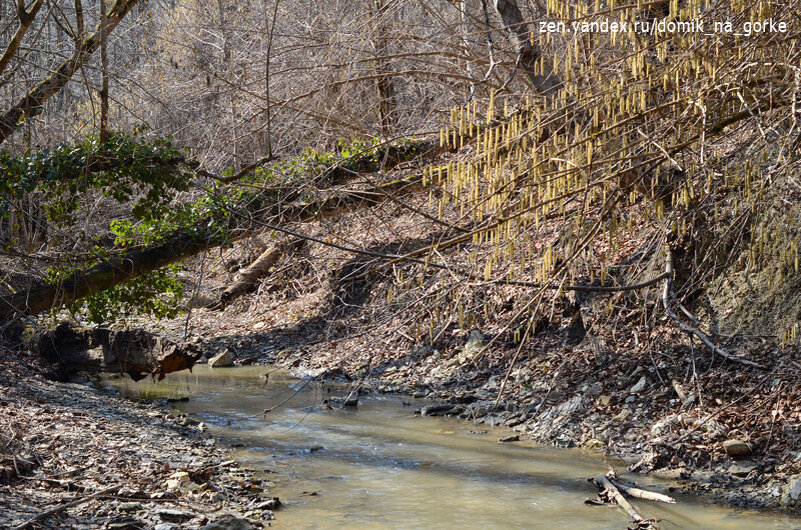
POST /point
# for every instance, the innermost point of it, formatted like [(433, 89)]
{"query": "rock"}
[(513, 438), (136, 352), (126, 524), (222, 359), (166, 526), (473, 346), (130, 507), (595, 389), (639, 386), (605, 400), (249, 360), (273, 503), (594, 444), (742, 469), (621, 416), (180, 481), (230, 523), (736, 447), (563, 441), (791, 492), (437, 410), (174, 516)]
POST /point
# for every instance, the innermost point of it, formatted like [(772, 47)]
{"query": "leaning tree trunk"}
[(25, 21), (185, 243), (31, 103)]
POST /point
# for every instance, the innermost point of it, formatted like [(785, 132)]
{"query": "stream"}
[(381, 466)]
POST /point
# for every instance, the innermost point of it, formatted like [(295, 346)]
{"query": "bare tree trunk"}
[(104, 74), (539, 72), (33, 101), (25, 21), (269, 31), (384, 83)]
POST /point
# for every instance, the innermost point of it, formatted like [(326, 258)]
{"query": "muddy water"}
[(380, 466)]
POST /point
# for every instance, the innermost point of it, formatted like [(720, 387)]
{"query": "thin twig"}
[(52, 511)]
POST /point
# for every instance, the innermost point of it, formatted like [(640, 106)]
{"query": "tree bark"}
[(529, 57), (104, 73), (257, 270), (185, 242), (385, 87), (31, 104), (25, 21)]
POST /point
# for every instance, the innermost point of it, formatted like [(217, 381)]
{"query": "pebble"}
[(736, 447), (639, 386)]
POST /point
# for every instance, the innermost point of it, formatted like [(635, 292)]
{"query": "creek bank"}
[(62, 442), (631, 411)]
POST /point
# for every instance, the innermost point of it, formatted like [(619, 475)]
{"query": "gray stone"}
[(174, 516), (595, 389), (128, 524), (271, 504), (791, 492), (742, 469), (473, 346), (222, 359), (437, 410), (130, 506), (736, 447), (166, 526), (639, 386), (231, 523)]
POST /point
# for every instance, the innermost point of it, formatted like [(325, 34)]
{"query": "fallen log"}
[(187, 242), (250, 275)]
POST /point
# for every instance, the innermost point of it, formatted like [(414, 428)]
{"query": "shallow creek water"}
[(380, 466)]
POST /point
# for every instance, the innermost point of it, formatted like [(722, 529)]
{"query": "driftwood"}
[(610, 493), (645, 495), (250, 275), (135, 352)]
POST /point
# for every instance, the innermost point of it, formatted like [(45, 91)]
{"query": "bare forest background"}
[(574, 177)]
